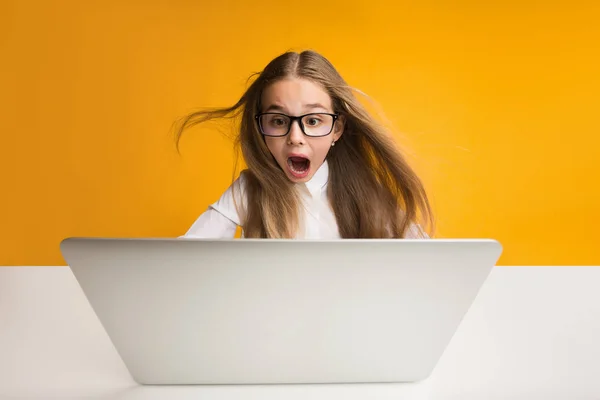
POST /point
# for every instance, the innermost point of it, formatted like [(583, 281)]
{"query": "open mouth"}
[(298, 166)]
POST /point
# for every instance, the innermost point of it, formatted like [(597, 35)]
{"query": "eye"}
[(313, 121), (278, 121)]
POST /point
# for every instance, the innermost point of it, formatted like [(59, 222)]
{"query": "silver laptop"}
[(252, 311)]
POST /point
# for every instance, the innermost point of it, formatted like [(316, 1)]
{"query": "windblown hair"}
[(373, 191)]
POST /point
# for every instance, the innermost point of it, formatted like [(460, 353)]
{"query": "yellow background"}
[(497, 105)]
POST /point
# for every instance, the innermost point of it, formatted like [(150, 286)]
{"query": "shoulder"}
[(233, 201), (415, 231)]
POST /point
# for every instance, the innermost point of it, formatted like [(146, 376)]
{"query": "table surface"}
[(532, 332)]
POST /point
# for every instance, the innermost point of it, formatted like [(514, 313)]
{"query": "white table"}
[(532, 333)]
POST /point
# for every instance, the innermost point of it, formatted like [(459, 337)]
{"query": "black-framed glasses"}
[(313, 124)]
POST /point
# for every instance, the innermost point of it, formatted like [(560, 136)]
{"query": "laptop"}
[(267, 311)]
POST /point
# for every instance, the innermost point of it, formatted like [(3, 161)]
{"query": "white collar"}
[(319, 180)]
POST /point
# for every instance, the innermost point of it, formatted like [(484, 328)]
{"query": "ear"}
[(339, 126)]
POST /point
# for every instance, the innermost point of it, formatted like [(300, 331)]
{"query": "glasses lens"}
[(317, 124), (274, 124)]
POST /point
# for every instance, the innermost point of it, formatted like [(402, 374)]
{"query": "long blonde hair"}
[(373, 191)]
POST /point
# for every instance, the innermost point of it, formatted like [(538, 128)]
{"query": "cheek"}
[(320, 146), (274, 145)]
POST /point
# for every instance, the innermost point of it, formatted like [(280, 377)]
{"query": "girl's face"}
[(300, 155)]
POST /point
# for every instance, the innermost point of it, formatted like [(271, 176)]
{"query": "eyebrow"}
[(276, 107)]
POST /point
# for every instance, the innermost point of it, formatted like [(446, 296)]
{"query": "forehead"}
[(295, 95)]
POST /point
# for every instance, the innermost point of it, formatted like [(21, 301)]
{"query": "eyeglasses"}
[(314, 124)]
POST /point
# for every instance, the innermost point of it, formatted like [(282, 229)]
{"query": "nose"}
[(295, 137)]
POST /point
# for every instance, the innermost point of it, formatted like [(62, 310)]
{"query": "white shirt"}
[(222, 219)]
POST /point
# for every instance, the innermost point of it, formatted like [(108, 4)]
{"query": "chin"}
[(299, 180)]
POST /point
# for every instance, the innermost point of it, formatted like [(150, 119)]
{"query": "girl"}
[(318, 165)]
